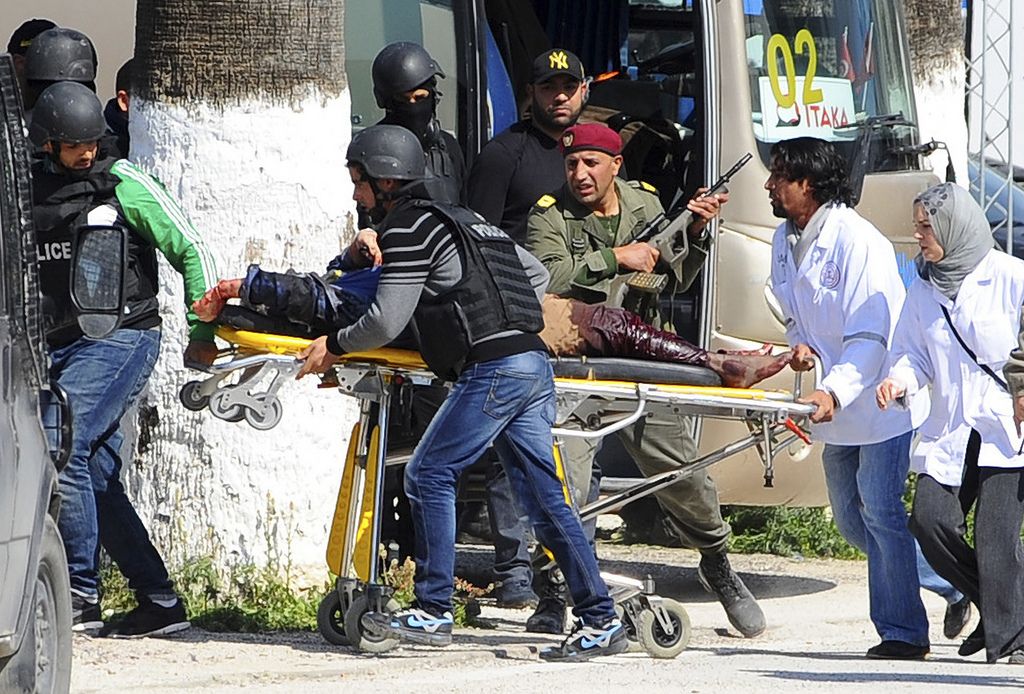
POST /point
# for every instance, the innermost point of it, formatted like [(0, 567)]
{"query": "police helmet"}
[(387, 151), (61, 54), (67, 112), (400, 67)]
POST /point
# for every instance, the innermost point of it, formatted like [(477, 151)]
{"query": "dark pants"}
[(992, 575)]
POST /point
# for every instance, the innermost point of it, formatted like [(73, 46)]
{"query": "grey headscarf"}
[(963, 232)]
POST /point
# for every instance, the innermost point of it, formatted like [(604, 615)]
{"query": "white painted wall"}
[(263, 184)]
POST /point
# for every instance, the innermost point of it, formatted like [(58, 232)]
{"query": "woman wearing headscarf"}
[(954, 334)]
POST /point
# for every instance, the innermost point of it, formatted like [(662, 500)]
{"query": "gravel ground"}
[(818, 631)]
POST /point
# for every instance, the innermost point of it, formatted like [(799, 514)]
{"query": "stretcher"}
[(595, 397)]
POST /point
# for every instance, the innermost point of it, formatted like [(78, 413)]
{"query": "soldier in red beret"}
[(584, 235)]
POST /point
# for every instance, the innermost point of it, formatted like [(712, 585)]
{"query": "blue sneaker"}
[(413, 625), (587, 642)]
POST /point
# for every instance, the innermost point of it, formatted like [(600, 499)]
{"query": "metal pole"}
[(1009, 131)]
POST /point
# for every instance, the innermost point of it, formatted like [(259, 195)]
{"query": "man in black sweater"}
[(474, 298)]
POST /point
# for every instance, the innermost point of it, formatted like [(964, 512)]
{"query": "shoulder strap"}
[(971, 354)]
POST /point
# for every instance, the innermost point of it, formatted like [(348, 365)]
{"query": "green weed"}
[(784, 531), (464, 600), (246, 598)]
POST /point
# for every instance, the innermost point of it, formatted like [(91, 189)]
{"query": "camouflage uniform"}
[(576, 249)]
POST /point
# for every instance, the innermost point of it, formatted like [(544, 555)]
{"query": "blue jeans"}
[(102, 379), (865, 487), (934, 582), (510, 402)]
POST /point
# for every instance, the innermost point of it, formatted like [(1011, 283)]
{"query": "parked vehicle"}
[(1004, 196), (35, 598)]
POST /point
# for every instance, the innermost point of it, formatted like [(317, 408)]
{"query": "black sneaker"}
[(957, 615), (718, 578), (897, 650), (412, 625), (85, 613), (587, 642), (148, 619)]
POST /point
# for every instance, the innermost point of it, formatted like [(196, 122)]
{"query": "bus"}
[(692, 85)]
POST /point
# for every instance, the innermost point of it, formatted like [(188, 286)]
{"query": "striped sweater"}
[(420, 258)]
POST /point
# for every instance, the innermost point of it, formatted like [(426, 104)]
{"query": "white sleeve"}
[(866, 306), (911, 363)]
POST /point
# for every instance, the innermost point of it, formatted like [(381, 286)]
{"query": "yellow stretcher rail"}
[(399, 359)]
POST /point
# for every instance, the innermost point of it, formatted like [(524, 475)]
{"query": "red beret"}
[(587, 136)]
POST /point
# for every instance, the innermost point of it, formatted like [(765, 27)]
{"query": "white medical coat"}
[(843, 301), (963, 396)]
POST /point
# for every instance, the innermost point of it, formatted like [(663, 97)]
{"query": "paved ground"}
[(817, 634)]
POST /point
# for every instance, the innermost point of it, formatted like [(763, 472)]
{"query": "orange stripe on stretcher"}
[(286, 344)]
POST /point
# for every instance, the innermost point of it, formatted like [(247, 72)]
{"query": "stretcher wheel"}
[(330, 619), (221, 409), (653, 637), (358, 637), (266, 414), (191, 396)]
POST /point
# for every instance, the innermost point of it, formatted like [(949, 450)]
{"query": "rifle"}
[(669, 233)]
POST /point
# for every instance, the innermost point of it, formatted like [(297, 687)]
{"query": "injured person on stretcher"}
[(310, 305)]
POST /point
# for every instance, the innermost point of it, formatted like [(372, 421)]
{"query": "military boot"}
[(549, 617), (717, 577)]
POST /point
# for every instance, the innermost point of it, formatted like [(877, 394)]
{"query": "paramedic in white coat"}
[(969, 448), (836, 277)]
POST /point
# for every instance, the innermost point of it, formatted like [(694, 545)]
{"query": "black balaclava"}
[(420, 118)]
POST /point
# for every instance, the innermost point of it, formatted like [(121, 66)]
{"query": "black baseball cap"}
[(556, 61), (22, 37)]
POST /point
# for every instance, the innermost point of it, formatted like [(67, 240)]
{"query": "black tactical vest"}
[(60, 205), (494, 295)]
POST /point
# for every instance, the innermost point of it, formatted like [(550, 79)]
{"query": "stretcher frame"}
[(659, 624)]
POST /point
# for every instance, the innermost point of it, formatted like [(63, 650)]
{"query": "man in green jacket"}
[(584, 235), (75, 185)]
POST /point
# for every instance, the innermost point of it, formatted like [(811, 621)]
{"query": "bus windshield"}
[(818, 67)]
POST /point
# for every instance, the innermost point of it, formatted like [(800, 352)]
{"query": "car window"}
[(7, 210), (19, 289)]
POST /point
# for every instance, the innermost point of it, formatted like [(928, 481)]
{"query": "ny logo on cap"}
[(558, 60), (567, 140)]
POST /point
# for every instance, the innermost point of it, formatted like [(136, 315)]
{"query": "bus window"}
[(644, 58), (369, 26), (818, 68)]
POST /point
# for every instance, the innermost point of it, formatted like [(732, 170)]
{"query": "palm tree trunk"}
[(936, 36), (241, 110)]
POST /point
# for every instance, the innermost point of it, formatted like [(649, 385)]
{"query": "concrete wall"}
[(109, 23)]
